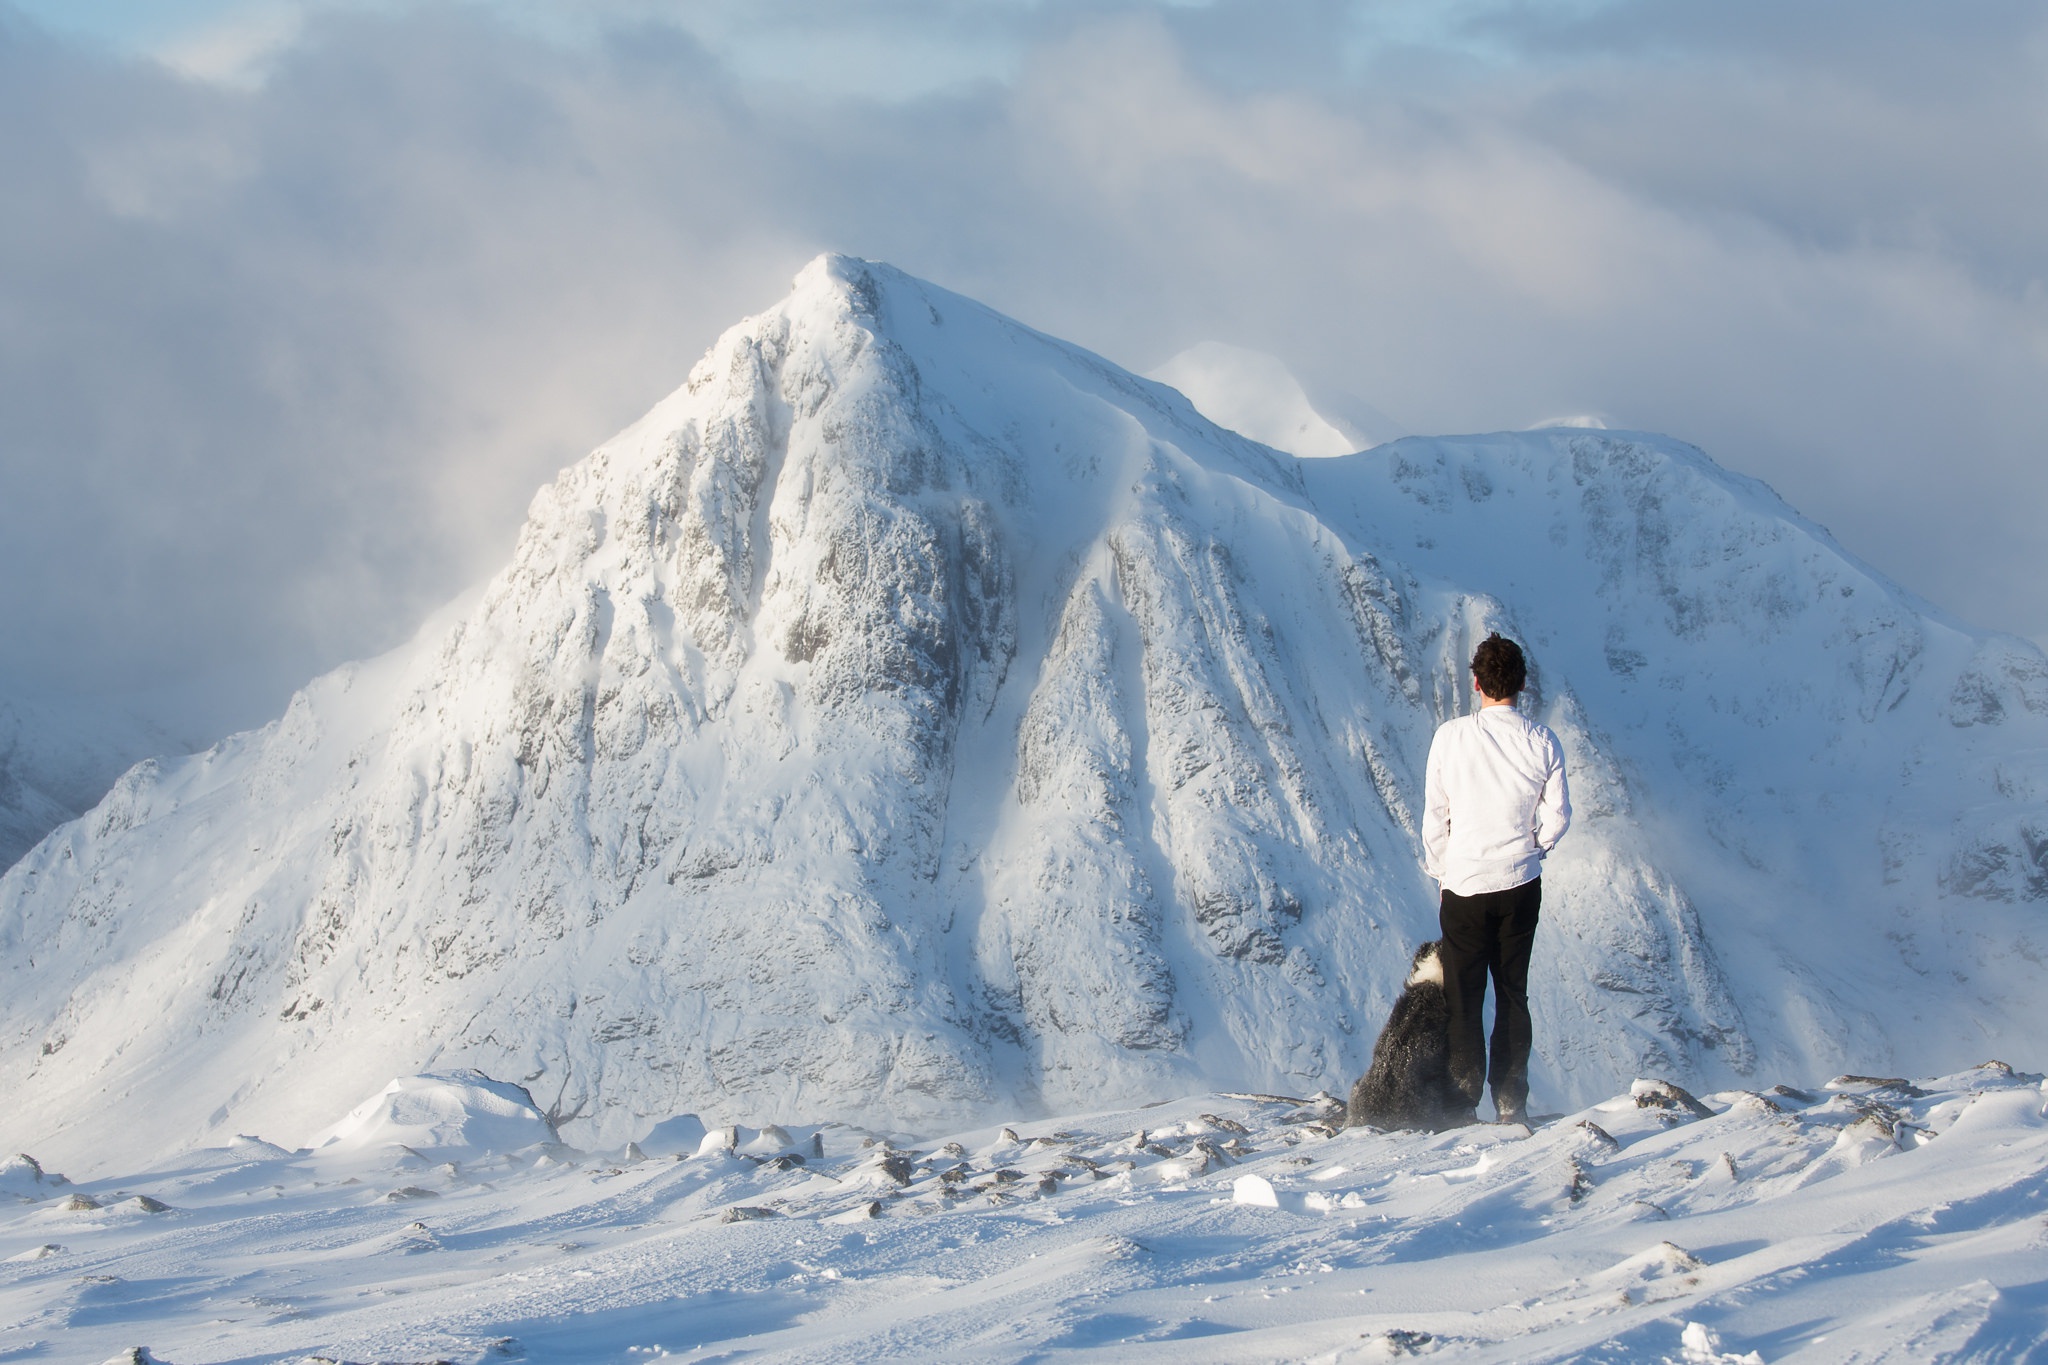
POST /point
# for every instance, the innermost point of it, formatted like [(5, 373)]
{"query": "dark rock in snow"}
[(1403, 1342), (1670, 1098), (1601, 1138), (1897, 1085)]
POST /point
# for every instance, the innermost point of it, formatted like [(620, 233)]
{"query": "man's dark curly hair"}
[(1498, 668)]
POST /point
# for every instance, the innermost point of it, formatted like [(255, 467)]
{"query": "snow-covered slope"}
[(914, 715), (1872, 1221)]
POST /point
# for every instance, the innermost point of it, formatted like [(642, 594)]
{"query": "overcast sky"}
[(300, 302)]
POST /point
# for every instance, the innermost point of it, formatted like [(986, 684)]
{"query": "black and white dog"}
[(1409, 1083)]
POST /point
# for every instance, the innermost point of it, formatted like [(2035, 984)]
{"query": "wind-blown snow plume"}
[(913, 714)]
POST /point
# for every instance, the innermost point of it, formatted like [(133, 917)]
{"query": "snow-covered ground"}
[(1865, 1220)]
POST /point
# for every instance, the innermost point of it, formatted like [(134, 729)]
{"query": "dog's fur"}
[(1409, 1083)]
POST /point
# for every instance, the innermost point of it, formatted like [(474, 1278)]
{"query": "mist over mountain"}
[(914, 716), (1256, 395)]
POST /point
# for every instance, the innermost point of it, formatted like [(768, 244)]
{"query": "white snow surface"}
[(1868, 1220), (1256, 395), (915, 719)]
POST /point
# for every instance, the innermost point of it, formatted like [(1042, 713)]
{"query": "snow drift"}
[(443, 1117), (914, 716)]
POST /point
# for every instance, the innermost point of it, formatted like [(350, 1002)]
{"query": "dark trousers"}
[(1490, 935)]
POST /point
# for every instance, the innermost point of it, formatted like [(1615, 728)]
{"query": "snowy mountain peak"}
[(914, 715)]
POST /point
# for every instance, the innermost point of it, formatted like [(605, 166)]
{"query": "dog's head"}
[(1428, 968)]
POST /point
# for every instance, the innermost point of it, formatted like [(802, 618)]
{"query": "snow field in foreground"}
[(1869, 1220)]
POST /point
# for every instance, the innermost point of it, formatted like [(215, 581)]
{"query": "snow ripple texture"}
[(914, 717)]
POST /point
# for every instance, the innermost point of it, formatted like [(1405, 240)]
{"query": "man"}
[(1494, 804)]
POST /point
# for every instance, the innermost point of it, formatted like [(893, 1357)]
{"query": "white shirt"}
[(1494, 801)]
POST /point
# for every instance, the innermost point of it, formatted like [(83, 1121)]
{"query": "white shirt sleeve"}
[(1436, 815), (1554, 807)]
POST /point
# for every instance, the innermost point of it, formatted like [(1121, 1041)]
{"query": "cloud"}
[(280, 368), (282, 360)]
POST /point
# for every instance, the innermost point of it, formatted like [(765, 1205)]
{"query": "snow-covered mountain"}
[(914, 716)]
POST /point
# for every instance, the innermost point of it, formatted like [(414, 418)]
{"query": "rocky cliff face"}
[(914, 716)]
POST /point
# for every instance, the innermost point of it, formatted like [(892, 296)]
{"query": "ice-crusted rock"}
[(914, 718), (38, 1253), (1671, 1099), (23, 1177)]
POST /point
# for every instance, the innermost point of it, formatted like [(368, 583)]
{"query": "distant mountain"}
[(1256, 395), (57, 761), (914, 716)]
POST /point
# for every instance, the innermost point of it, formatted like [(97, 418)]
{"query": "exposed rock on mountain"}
[(913, 715)]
